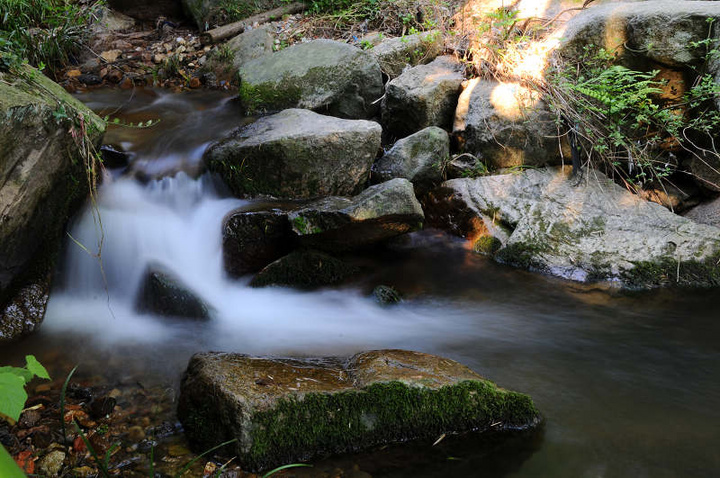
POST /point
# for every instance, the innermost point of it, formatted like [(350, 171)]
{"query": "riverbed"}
[(626, 381)]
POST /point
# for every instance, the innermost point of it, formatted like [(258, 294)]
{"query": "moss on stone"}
[(521, 254), (317, 424), (487, 245), (269, 96), (698, 273)]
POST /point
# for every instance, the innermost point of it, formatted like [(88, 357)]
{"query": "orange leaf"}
[(25, 461)]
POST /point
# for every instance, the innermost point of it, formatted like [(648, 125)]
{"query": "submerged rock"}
[(285, 410), (330, 77), (377, 214), (163, 294), (252, 240), (42, 182), (425, 95), (506, 124), (593, 231), (418, 158), (297, 154), (304, 269)]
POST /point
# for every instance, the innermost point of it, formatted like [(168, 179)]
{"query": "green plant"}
[(8, 467), (284, 467), (46, 31), (12, 386), (620, 121)]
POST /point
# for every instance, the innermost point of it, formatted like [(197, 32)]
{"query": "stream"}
[(627, 382)]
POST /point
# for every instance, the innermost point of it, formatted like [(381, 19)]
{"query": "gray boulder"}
[(379, 213), (331, 77), (164, 294), (42, 182), (252, 240), (595, 231), (425, 95), (418, 158), (663, 31), (287, 410), (297, 154), (706, 172), (706, 213), (251, 44), (304, 269), (506, 124), (396, 54)]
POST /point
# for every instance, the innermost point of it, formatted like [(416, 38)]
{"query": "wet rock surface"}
[(252, 240), (305, 269), (285, 410), (164, 294), (377, 214), (588, 231), (297, 154)]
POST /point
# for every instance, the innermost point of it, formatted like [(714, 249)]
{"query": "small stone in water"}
[(102, 407), (178, 450), (136, 434)]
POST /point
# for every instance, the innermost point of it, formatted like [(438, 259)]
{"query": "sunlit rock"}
[(425, 95), (284, 410), (418, 158), (377, 214), (396, 54), (591, 231), (43, 179), (506, 124), (297, 154), (327, 76)]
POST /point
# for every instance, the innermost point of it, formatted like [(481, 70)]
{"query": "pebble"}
[(84, 472), (136, 434), (51, 464)]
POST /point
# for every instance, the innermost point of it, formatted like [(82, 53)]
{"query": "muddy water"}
[(627, 381)]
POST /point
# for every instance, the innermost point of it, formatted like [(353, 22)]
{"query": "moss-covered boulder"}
[(162, 293), (43, 179), (327, 76), (589, 230), (209, 14), (506, 124), (297, 154), (377, 214), (254, 239), (284, 410), (425, 95), (304, 269), (418, 158), (396, 54)]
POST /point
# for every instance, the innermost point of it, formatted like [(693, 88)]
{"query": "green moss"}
[(521, 255), (297, 429), (694, 273), (487, 245), (269, 96)]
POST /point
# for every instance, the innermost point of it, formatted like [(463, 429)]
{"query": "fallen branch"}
[(227, 31)]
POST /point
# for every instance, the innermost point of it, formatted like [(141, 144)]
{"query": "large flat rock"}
[(327, 76), (297, 154), (591, 231), (285, 410)]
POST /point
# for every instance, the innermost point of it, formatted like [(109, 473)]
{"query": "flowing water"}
[(627, 382)]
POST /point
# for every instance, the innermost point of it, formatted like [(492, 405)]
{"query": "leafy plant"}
[(12, 386)]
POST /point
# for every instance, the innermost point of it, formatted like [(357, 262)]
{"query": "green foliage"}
[(621, 121), (44, 32), (8, 468), (12, 386)]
